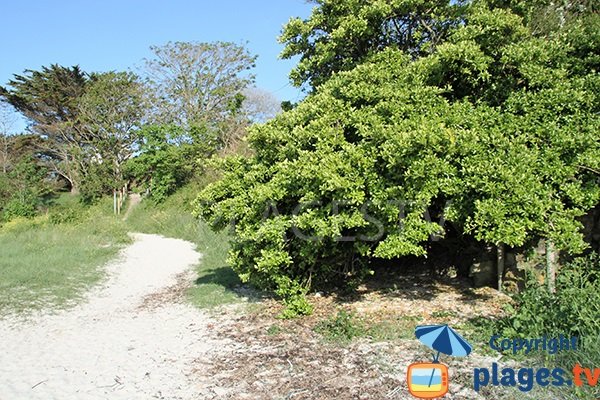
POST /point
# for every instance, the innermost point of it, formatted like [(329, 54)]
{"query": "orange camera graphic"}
[(427, 380)]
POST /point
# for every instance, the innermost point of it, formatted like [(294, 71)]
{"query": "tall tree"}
[(260, 105), (338, 35), (110, 114), (547, 16), (199, 84), (48, 100)]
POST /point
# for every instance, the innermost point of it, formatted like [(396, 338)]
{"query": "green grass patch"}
[(49, 265), (274, 330), (346, 326), (51, 260), (342, 328)]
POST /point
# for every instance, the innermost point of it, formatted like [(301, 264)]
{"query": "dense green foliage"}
[(22, 179), (538, 313), (496, 129), (23, 189), (111, 112), (340, 34), (167, 158)]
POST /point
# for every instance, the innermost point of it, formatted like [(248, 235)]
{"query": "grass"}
[(345, 326), (51, 260), (45, 265)]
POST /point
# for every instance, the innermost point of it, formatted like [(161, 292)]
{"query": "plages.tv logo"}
[(428, 380)]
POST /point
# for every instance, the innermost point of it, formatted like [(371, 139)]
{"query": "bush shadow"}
[(228, 282)]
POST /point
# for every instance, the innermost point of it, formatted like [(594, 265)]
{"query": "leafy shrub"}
[(294, 298), (62, 215), (354, 172), (24, 205), (573, 310), (166, 159), (96, 184)]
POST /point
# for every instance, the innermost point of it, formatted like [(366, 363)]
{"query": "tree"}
[(496, 127), (199, 83), (7, 123), (546, 17), (24, 178), (26, 187), (341, 34), (256, 106), (110, 114), (260, 105), (165, 161), (48, 100)]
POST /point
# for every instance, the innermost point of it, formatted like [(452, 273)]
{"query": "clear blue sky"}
[(108, 35)]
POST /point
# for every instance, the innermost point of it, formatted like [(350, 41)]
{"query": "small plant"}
[(342, 328), (274, 330), (444, 314)]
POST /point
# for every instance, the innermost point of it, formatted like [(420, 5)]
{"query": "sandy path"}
[(132, 202), (107, 347)]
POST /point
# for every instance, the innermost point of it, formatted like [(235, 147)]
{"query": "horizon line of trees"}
[(94, 133)]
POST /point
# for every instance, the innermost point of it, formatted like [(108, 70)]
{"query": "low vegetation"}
[(50, 260)]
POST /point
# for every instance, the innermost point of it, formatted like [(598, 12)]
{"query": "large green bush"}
[(496, 130)]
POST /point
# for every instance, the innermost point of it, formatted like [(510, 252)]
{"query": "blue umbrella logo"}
[(441, 339)]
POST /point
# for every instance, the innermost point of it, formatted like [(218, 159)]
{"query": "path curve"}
[(112, 346)]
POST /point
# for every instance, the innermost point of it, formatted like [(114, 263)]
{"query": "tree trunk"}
[(500, 261), (120, 202), (551, 257)]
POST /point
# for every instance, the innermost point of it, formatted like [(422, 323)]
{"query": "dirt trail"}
[(133, 200), (113, 346)]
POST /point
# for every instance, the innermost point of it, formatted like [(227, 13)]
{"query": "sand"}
[(109, 346)]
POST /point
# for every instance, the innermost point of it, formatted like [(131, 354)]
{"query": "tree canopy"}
[(48, 99), (338, 35), (199, 83), (97, 131), (494, 126)]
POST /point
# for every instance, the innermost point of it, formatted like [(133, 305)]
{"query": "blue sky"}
[(116, 34)]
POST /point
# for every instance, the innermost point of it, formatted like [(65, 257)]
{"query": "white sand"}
[(107, 348)]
